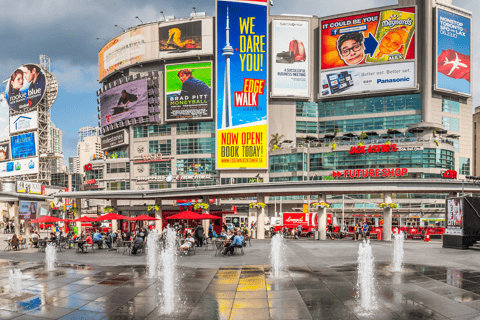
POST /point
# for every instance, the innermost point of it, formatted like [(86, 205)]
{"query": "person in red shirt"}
[(88, 241)]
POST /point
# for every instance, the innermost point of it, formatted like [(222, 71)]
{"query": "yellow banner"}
[(244, 147)]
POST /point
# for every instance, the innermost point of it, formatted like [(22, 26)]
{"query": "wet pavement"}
[(313, 288)]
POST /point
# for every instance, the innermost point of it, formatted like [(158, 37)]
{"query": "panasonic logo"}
[(406, 79)]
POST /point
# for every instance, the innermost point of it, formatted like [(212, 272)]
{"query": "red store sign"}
[(382, 148), (88, 182), (450, 174), (371, 173)]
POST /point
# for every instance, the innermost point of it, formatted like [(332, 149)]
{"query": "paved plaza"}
[(436, 283)]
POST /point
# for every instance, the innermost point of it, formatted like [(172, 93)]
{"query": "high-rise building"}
[(86, 149), (476, 141), (55, 148), (73, 165), (86, 132)]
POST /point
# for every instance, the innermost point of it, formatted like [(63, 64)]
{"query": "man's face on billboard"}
[(29, 75), (183, 77), (352, 52)]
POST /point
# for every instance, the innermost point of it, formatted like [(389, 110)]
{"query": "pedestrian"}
[(198, 234), (210, 231), (299, 231)]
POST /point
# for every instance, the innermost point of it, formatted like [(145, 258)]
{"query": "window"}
[(160, 168), (193, 166), (123, 185), (94, 174), (196, 183), (159, 130), (140, 132), (451, 123), (196, 146), (160, 146), (450, 106), (241, 180), (455, 144), (195, 128), (160, 185), (117, 153), (288, 163), (464, 166), (118, 167), (307, 109)]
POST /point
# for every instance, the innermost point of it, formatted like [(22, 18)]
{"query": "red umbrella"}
[(111, 216), (187, 215), (209, 216), (45, 219), (83, 219), (143, 218)]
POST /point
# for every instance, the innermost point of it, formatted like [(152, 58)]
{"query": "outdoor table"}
[(9, 245)]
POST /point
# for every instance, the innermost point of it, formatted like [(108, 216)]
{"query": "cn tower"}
[(227, 100)]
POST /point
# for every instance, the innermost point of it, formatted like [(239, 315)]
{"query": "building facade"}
[(476, 133), (55, 148), (87, 132)]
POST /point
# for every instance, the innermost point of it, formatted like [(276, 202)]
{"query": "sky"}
[(67, 32)]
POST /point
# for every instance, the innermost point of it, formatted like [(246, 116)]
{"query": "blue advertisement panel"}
[(23, 145), (242, 90), (453, 52)]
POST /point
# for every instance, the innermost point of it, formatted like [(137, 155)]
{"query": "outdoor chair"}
[(23, 244), (237, 249), (191, 249), (209, 242), (218, 247)]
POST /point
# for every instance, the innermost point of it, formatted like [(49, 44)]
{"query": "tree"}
[(276, 139)]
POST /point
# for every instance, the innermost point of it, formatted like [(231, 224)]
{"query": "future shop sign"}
[(371, 173)]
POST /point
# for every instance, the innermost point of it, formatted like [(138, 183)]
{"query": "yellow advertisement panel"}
[(243, 147)]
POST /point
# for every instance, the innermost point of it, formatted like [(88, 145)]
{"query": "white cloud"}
[(75, 78)]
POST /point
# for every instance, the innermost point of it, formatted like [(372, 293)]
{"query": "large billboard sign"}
[(242, 93), (126, 101), (25, 87), (131, 47), (188, 91), (114, 140), (23, 145), (372, 51), (29, 187), (291, 59), (185, 38), (24, 122), (27, 210), (454, 216), (4, 151), (453, 51), (19, 167)]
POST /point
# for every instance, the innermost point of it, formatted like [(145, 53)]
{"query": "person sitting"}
[(35, 239), (137, 244), (14, 242), (53, 237), (97, 238), (88, 241), (237, 242), (228, 241), (189, 241)]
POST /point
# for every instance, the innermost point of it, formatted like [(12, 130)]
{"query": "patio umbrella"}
[(45, 219), (187, 215), (143, 218), (209, 216), (111, 216), (84, 219)]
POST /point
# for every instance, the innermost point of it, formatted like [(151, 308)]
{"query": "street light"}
[(102, 39), (164, 19), (120, 27), (139, 19)]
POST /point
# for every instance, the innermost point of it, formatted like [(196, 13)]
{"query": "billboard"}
[(185, 38), (18, 167), (25, 87), (453, 51), (188, 91), (241, 84), (24, 122), (126, 101), (23, 145), (29, 187), (131, 47), (4, 151), (27, 210), (114, 140), (454, 216), (291, 58), (368, 38), (392, 76)]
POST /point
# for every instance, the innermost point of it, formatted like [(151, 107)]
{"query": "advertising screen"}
[(126, 101), (291, 58), (114, 140), (18, 167), (23, 145), (4, 151), (185, 38), (23, 122), (363, 79), (27, 210), (29, 187), (131, 47), (454, 218), (242, 89), (188, 91), (25, 87), (453, 52), (368, 38)]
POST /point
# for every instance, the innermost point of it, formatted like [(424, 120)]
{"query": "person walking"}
[(299, 231), (199, 234)]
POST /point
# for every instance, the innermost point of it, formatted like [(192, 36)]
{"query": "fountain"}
[(398, 252), (152, 254), (50, 257), (366, 283), (167, 274), (277, 255), (15, 280)]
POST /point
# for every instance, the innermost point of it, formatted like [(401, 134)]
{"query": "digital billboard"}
[(25, 87), (18, 167), (23, 145), (24, 122), (453, 51), (126, 101), (134, 46), (27, 210), (29, 187), (291, 58), (242, 89), (4, 151), (454, 216), (185, 38), (188, 91)]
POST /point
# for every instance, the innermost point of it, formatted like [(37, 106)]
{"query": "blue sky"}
[(67, 32)]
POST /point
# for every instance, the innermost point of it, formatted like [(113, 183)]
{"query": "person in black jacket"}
[(199, 234), (126, 98)]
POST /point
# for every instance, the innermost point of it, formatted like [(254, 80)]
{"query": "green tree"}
[(275, 140)]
